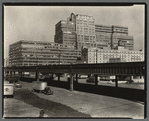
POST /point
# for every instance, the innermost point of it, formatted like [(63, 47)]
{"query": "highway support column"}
[(52, 76), (77, 78), (116, 81), (71, 82), (7, 73), (37, 76), (96, 79), (131, 77), (58, 77), (10, 73), (19, 76)]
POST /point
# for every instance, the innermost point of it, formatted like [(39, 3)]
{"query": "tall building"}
[(65, 33), (84, 34), (114, 36), (31, 53), (85, 28), (103, 35), (77, 31), (80, 30), (95, 55), (120, 37)]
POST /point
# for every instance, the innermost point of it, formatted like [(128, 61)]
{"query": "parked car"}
[(91, 79), (129, 82), (83, 76), (18, 85), (41, 77)]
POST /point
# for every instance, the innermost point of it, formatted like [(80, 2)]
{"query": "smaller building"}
[(32, 53), (106, 55)]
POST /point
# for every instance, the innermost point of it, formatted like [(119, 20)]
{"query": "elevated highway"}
[(123, 68)]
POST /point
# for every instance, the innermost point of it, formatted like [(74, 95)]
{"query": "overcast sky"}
[(38, 22)]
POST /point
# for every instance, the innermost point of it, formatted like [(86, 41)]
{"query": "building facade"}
[(95, 55), (80, 30), (103, 44), (65, 33), (31, 53), (114, 36)]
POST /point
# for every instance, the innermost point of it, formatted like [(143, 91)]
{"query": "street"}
[(135, 85), (94, 105)]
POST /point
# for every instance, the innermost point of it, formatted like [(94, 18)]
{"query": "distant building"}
[(95, 55), (31, 53)]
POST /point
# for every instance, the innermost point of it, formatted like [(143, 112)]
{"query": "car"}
[(91, 79), (41, 77), (129, 81), (83, 76), (18, 85)]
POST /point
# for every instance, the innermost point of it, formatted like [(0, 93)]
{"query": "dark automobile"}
[(18, 85), (48, 91), (91, 79)]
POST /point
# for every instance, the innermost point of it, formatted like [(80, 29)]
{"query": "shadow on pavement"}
[(52, 109), (119, 92)]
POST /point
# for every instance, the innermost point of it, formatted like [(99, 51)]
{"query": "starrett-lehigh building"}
[(81, 30), (71, 36)]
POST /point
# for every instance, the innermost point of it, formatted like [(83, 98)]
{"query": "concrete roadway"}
[(98, 106), (137, 84)]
